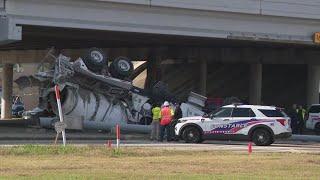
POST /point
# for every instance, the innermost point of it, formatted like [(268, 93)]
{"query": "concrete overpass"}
[(258, 31), (280, 21)]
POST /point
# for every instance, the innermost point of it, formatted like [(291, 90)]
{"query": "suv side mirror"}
[(205, 115)]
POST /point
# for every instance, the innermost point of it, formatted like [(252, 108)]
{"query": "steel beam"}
[(182, 55), (9, 31)]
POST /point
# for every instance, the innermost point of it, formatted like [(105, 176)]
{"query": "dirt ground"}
[(91, 162)]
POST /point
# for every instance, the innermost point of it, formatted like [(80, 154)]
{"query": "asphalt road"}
[(300, 147), (11, 136)]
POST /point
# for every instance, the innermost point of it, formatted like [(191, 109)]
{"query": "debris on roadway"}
[(97, 96)]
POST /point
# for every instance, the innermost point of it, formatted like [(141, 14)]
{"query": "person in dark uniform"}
[(294, 118), (301, 115), (176, 116)]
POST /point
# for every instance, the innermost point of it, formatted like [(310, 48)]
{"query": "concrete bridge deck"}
[(257, 20)]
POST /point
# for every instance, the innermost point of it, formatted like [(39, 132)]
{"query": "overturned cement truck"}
[(95, 95)]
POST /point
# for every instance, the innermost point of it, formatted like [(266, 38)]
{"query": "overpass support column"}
[(7, 85), (203, 77), (313, 84), (153, 74), (255, 83)]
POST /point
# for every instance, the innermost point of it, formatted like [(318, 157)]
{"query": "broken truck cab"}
[(94, 98)]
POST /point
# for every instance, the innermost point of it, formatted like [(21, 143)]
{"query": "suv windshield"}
[(273, 112)]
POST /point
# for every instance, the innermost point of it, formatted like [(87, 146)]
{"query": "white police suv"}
[(260, 124), (313, 118)]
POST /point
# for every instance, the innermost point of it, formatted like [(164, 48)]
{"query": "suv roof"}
[(250, 106)]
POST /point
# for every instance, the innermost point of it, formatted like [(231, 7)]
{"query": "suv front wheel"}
[(191, 135), (262, 137)]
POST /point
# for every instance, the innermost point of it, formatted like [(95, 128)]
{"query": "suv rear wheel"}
[(262, 137), (192, 135)]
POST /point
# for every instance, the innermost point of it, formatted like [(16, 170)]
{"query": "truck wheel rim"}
[(124, 65), (97, 56), (192, 136), (261, 137)]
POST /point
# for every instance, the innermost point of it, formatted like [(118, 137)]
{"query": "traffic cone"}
[(250, 147), (109, 144)]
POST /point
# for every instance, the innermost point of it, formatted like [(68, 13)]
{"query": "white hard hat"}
[(166, 103)]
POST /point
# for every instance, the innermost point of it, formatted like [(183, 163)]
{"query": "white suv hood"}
[(194, 118)]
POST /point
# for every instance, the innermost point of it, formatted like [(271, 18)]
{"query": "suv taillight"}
[(282, 121)]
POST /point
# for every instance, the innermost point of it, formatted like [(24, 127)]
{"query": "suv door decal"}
[(234, 127)]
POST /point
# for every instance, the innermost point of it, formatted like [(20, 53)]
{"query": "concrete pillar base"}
[(255, 84), (203, 77), (6, 99), (313, 84)]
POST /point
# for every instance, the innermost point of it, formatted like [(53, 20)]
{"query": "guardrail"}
[(287, 8)]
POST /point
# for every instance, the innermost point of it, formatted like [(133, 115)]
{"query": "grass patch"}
[(40, 150), (91, 162)]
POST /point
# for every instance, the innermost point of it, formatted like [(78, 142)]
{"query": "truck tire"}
[(95, 59), (262, 137), (121, 67), (191, 135)]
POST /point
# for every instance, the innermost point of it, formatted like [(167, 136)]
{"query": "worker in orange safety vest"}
[(166, 118)]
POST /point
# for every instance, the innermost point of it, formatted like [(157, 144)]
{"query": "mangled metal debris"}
[(94, 98)]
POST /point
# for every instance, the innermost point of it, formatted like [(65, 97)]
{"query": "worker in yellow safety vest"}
[(155, 126)]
